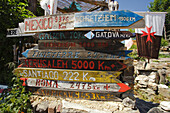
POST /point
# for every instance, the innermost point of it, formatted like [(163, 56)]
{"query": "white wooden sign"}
[(49, 23)]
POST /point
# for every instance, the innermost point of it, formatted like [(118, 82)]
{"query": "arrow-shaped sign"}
[(81, 86), (69, 75), (101, 65), (74, 94), (102, 19), (77, 54), (109, 35)]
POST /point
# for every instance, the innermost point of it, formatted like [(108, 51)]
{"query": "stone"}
[(162, 75), (154, 77), (164, 90), (148, 91), (153, 86), (148, 66), (42, 107), (155, 110), (142, 80), (127, 102), (52, 107), (165, 105)]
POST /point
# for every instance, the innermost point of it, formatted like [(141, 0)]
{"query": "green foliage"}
[(16, 100), (12, 12), (164, 42)]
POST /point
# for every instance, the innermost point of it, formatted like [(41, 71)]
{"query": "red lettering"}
[(79, 64), (85, 64), (72, 83), (73, 64), (84, 85), (100, 65), (27, 25), (89, 86), (49, 23), (56, 19), (25, 63), (58, 64), (38, 82), (92, 44), (78, 84), (30, 63), (47, 83), (88, 44), (67, 18), (49, 64), (53, 64), (91, 65), (38, 22), (42, 82), (64, 64), (34, 63)]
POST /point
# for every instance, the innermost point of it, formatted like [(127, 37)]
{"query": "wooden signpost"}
[(81, 45), (74, 94), (74, 35), (101, 65), (69, 75), (77, 86), (107, 19), (49, 23), (77, 54)]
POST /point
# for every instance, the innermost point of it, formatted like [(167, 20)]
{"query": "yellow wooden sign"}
[(69, 75)]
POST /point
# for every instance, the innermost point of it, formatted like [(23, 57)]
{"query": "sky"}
[(134, 5)]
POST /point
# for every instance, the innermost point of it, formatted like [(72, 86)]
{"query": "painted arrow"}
[(76, 86), (78, 54), (101, 65), (102, 19), (69, 75)]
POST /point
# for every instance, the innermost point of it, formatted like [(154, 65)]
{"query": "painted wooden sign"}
[(80, 64), (71, 35), (105, 19), (74, 94), (69, 75), (62, 35), (77, 54), (49, 23), (84, 86), (77, 44)]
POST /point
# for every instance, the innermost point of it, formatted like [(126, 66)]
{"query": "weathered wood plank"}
[(69, 75), (74, 94), (74, 35), (49, 23), (80, 45), (78, 86), (80, 64), (77, 54), (121, 18)]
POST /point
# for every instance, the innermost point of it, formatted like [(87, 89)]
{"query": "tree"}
[(12, 12), (162, 6)]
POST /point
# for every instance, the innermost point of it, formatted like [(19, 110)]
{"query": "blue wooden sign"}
[(122, 18)]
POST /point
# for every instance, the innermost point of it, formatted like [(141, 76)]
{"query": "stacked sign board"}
[(72, 61)]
